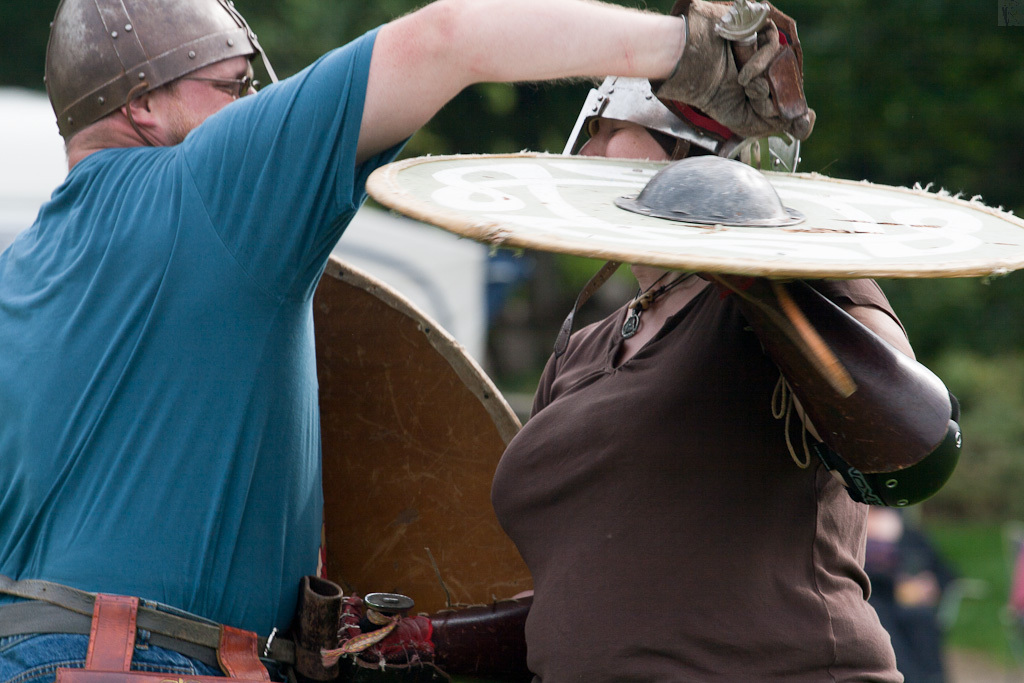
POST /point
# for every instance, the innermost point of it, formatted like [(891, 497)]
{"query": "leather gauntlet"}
[(761, 97)]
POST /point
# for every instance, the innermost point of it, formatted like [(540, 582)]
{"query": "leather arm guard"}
[(887, 423), (340, 637), (488, 641)]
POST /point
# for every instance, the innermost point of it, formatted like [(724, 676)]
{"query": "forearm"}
[(532, 40), (424, 59), (879, 409)]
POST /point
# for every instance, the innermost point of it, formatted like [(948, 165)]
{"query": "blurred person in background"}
[(908, 578)]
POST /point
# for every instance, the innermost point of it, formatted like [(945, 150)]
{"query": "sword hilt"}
[(741, 25)]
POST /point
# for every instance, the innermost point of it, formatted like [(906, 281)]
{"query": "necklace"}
[(644, 300)]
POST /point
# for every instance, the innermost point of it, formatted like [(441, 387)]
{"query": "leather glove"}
[(763, 97)]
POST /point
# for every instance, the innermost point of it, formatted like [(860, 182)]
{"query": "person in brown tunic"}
[(671, 532)]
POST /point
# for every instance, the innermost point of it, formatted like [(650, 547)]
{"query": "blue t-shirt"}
[(159, 427)]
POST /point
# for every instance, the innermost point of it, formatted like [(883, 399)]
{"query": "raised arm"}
[(888, 425), (424, 59)]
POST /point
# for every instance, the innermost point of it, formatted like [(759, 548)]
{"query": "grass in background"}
[(976, 551)]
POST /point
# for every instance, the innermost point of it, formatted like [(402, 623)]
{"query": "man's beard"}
[(180, 123)]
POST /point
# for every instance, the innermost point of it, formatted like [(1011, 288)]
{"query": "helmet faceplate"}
[(103, 51), (631, 99)]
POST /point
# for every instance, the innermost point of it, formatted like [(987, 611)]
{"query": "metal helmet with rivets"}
[(631, 99), (102, 53)]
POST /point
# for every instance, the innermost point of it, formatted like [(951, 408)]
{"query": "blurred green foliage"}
[(976, 551), (906, 91), (987, 484)]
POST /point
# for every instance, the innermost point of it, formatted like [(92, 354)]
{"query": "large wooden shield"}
[(412, 432), (568, 205)]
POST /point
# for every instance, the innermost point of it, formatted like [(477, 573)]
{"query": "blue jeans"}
[(35, 658)]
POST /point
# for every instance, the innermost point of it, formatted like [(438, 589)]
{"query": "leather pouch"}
[(112, 641)]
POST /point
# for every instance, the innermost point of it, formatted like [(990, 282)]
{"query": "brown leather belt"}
[(55, 608)]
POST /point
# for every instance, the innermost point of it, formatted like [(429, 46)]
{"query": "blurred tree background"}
[(907, 91)]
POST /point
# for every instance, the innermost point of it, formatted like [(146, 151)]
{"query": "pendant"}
[(632, 323)]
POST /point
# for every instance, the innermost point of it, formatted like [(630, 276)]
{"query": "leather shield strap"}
[(786, 85), (785, 74), (594, 284)]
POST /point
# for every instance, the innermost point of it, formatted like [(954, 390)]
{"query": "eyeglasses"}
[(236, 87)]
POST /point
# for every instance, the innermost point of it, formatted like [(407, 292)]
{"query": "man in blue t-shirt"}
[(159, 434)]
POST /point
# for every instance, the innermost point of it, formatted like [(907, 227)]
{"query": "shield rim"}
[(384, 187), (464, 365)]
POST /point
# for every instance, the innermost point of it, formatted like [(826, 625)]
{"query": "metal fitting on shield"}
[(710, 190)]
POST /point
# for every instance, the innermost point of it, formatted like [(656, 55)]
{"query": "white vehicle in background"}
[(32, 161), (441, 274)]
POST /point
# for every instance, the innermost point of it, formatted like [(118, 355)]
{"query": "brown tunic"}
[(670, 534)]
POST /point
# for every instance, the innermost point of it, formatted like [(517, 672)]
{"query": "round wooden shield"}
[(412, 431), (567, 204)]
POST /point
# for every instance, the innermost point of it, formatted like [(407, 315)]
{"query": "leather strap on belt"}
[(112, 636), (112, 643), (69, 610)]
